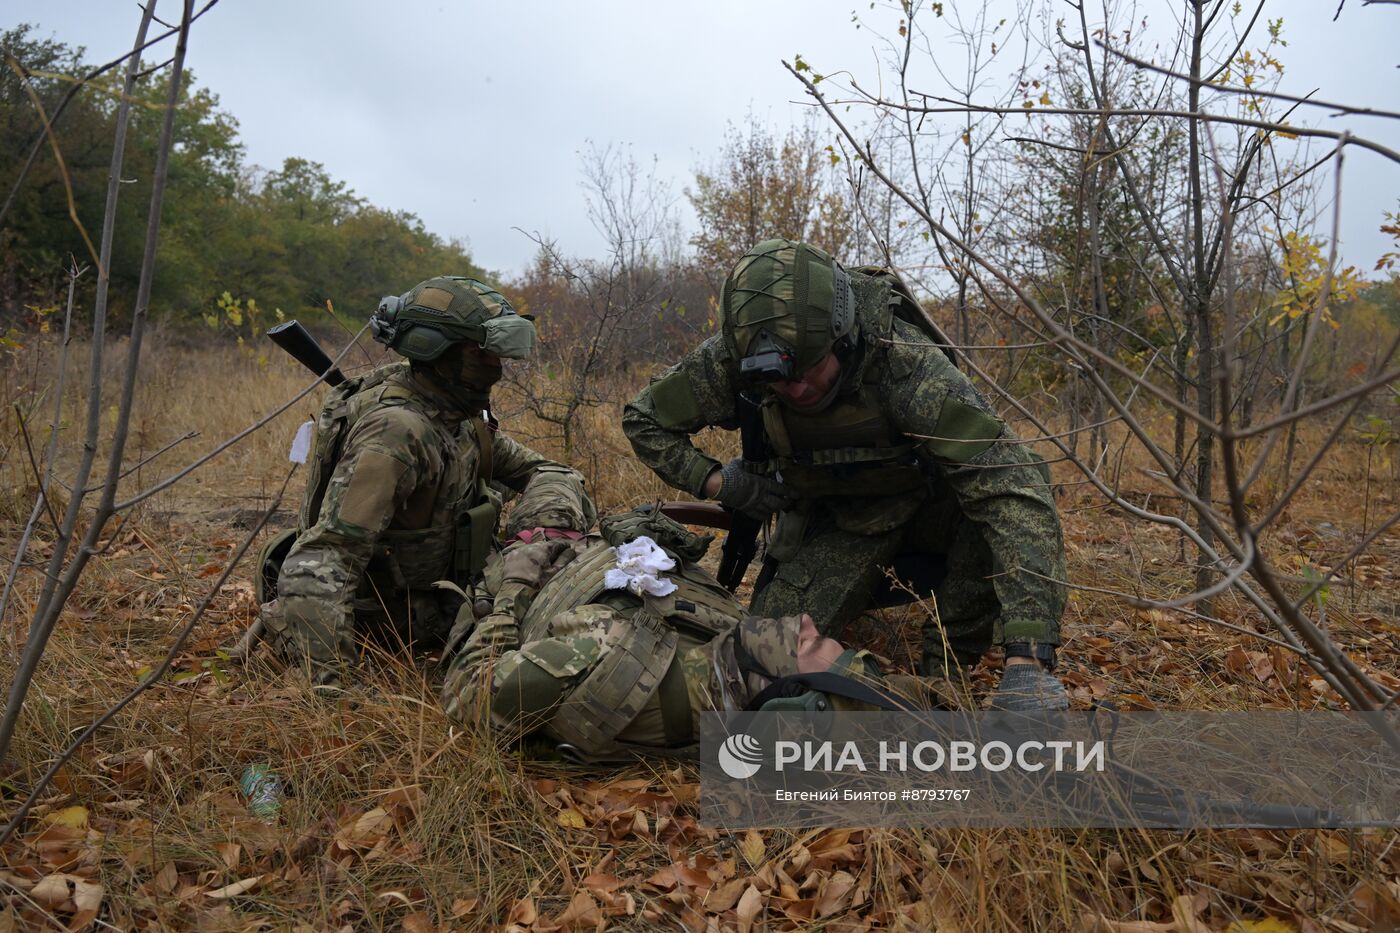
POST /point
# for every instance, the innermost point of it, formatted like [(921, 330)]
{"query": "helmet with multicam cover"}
[(448, 309), (786, 305)]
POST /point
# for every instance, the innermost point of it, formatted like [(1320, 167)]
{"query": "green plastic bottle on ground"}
[(263, 788)]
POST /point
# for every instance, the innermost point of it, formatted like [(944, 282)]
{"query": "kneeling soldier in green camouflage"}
[(611, 646), (876, 453), (399, 496)]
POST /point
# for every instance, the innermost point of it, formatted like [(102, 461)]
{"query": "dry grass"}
[(394, 821)]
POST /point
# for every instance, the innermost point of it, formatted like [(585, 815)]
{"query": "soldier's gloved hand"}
[(750, 493), (1027, 688)]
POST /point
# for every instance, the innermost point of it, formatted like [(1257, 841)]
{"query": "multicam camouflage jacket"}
[(906, 426), (397, 474), (604, 673)]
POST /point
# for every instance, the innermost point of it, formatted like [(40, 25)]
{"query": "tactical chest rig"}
[(407, 558), (641, 660), (850, 454), (589, 694), (850, 448)]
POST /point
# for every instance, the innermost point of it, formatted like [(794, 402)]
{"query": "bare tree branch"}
[(41, 499), (132, 72), (47, 616), (151, 679), (1249, 92)]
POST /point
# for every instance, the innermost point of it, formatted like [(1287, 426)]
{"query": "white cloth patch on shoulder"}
[(301, 443), (640, 563)]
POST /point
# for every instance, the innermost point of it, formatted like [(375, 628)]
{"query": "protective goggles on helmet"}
[(508, 335)]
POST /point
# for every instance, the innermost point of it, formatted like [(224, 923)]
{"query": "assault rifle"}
[(299, 343), (741, 544)]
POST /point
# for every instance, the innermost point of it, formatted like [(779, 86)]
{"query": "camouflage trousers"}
[(836, 575)]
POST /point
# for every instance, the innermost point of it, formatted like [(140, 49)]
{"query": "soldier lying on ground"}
[(399, 495), (612, 644), (879, 453)]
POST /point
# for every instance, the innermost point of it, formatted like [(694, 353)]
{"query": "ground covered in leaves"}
[(392, 820)]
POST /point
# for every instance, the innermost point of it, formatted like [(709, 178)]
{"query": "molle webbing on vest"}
[(618, 688), (695, 609), (850, 449), (579, 583), (698, 605)]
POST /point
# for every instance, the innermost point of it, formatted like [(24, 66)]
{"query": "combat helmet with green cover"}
[(786, 305), (448, 309)]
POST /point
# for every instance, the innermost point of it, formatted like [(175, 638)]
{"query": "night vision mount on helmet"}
[(433, 315), (786, 305)]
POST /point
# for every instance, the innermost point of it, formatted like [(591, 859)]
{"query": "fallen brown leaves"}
[(61, 876), (57, 867), (391, 823)]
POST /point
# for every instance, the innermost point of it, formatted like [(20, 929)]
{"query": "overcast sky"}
[(471, 114)]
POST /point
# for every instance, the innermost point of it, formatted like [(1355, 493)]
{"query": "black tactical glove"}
[(750, 493)]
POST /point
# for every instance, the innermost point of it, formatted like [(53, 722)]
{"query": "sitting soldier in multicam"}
[(612, 644), (405, 487)]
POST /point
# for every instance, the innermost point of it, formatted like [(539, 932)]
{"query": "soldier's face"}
[(815, 652), (811, 388), (477, 369)]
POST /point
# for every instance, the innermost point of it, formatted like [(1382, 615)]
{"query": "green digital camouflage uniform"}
[(607, 674), (400, 495), (907, 458)]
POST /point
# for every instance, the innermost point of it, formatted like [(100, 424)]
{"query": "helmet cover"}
[(439, 312), (786, 305)]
